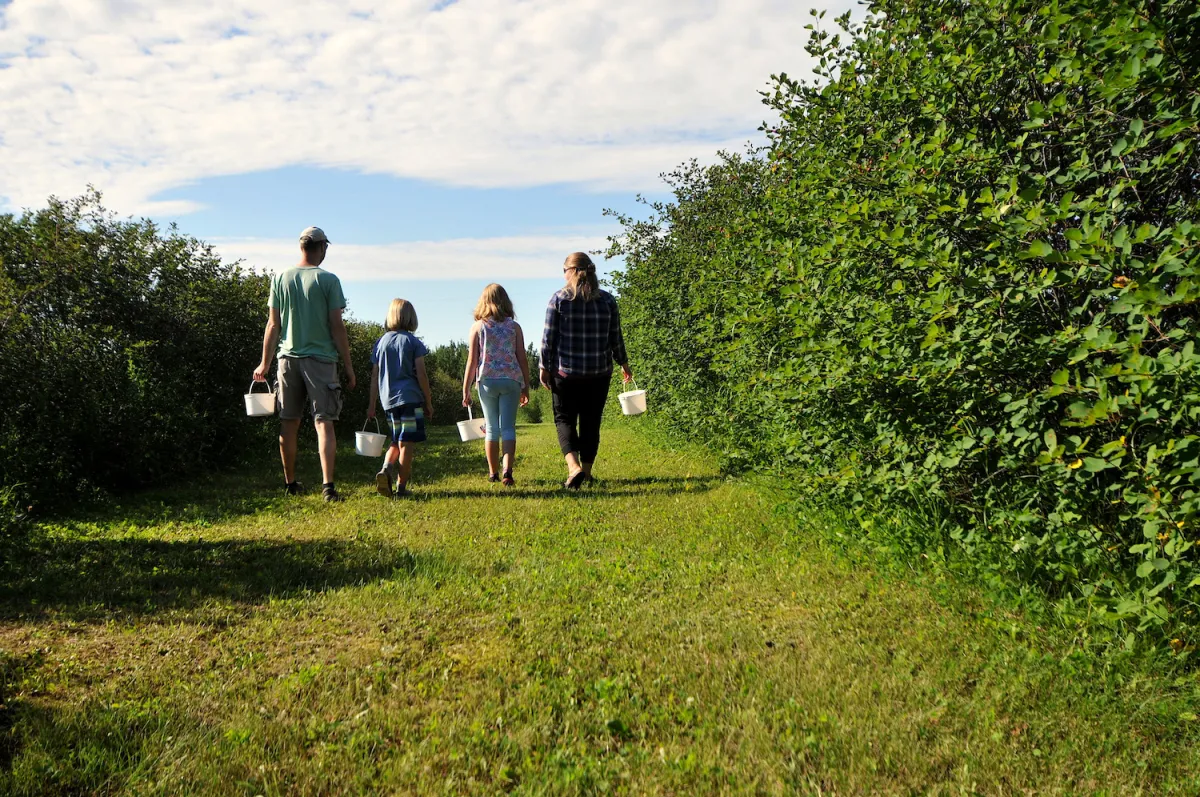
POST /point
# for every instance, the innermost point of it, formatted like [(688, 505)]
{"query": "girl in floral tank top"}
[(498, 350), (497, 366)]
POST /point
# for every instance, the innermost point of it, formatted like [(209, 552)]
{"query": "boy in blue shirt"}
[(398, 378)]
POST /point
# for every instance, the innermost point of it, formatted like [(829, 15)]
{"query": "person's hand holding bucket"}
[(370, 444), (633, 402), (259, 405), (471, 429)]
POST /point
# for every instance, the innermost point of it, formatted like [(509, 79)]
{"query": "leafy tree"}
[(124, 352), (961, 279)]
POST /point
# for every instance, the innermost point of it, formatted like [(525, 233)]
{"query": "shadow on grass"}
[(84, 579), (641, 487), (443, 456), (202, 501), (257, 486)]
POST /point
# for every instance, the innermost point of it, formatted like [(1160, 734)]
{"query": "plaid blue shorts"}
[(408, 423)]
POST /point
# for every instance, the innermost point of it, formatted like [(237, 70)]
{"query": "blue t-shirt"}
[(396, 355)]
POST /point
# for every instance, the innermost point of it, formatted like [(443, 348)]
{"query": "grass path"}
[(664, 631)]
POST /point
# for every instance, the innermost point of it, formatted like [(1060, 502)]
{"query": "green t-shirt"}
[(304, 297)]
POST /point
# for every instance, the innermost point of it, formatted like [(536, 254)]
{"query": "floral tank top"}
[(498, 350)]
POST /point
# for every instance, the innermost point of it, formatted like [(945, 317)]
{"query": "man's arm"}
[(423, 381), (270, 341), (337, 328)]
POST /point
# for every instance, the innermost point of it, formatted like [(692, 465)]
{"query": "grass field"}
[(665, 631)]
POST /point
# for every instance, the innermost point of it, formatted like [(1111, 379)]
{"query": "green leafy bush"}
[(362, 336), (12, 513), (446, 364), (124, 352), (963, 277), (538, 408)]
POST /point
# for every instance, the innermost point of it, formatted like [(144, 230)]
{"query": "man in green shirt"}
[(305, 322)]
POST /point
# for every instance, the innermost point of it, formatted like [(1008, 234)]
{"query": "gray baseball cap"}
[(314, 234)]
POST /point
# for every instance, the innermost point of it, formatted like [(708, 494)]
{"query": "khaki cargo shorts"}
[(312, 383)]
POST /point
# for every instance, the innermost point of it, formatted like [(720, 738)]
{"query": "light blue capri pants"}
[(500, 398)]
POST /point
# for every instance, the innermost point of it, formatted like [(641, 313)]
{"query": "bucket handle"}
[(376, 425), (634, 383), (470, 414), (256, 382)]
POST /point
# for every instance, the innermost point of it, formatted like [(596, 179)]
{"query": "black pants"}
[(579, 402)]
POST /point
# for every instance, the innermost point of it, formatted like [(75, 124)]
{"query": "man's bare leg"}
[(327, 445), (289, 431)]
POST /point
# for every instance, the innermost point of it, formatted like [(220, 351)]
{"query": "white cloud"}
[(515, 257), (138, 96)]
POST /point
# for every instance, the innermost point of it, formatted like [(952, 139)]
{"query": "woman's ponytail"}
[(581, 277)]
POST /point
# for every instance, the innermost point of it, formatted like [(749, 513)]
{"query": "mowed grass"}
[(665, 631)]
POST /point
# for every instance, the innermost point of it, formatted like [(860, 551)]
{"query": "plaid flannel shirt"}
[(582, 338)]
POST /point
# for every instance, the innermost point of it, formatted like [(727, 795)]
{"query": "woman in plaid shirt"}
[(582, 339)]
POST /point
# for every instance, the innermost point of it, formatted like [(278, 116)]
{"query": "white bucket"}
[(633, 402), (369, 444), (473, 429), (259, 405)]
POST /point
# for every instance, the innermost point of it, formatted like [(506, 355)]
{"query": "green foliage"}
[(451, 359), (124, 352), (12, 513), (963, 277), (538, 408), (362, 336), (446, 365)]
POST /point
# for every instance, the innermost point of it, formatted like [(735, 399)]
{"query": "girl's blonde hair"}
[(494, 304), (401, 315), (581, 277)]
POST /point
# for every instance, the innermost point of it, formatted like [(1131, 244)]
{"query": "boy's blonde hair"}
[(494, 304), (401, 316), (581, 277)]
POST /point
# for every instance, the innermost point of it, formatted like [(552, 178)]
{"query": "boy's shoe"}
[(402, 491), (383, 482), (295, 488), (507, 481), (493, 477), (330, 494)]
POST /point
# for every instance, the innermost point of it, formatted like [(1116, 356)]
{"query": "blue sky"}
[(374, 210), (442, 145)]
